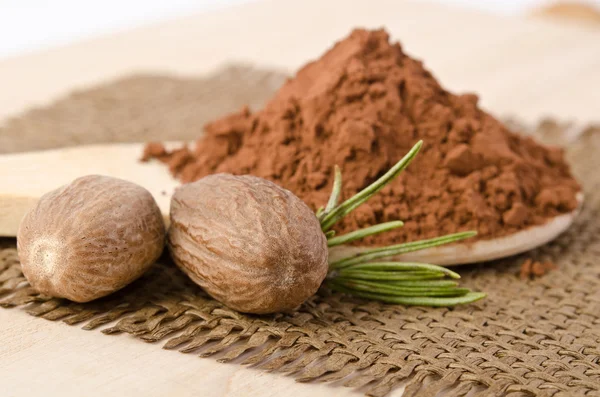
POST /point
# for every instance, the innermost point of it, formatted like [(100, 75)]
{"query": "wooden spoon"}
[(25, 177)]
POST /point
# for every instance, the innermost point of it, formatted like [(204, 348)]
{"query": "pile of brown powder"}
[(362, 106)]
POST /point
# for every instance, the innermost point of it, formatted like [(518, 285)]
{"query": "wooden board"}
[(25, 177), (526, 68)]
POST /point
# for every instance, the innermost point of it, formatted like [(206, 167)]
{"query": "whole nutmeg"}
[(90, 238), (247, 242)]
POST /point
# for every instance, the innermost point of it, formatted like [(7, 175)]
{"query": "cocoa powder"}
[(530, 270), (362, 106)]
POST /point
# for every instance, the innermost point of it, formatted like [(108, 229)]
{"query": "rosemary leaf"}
[(390, 289), (392, 250), (385, 276), (421, 283), (414, 301), (362, 233), (389, 267)]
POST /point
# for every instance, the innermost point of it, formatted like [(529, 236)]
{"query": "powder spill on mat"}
[(531, 269), (361, 106)]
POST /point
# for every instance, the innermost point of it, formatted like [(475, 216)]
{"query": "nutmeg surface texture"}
[(248, 242), (90, 238)]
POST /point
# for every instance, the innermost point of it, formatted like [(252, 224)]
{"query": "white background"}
[(29, 25)]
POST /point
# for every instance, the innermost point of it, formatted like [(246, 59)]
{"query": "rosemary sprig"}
[(404, 283)]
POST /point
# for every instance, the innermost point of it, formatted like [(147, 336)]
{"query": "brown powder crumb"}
[(154, 150), (516, 216), (462, 161), (533, 269), (178, 159), (362, 106)]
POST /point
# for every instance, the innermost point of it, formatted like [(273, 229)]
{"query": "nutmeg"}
[(248, 242), (90, 238)]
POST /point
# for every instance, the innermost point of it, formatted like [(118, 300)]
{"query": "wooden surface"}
[(531, 68), (525, 68), (25, 177), (42, 358)]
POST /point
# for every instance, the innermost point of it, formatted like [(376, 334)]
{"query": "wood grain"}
[(39, 357), (30, 175)]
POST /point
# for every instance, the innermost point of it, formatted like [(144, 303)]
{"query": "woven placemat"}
[(539, 337)]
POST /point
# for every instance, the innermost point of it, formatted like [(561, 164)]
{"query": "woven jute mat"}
[(529, 337)]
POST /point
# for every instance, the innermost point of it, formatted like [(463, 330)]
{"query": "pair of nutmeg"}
[(249, 243)]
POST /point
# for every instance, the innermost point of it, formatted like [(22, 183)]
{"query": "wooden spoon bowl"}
[(484, 250)]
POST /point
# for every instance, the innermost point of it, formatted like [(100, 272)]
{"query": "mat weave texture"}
[(539, 337)]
